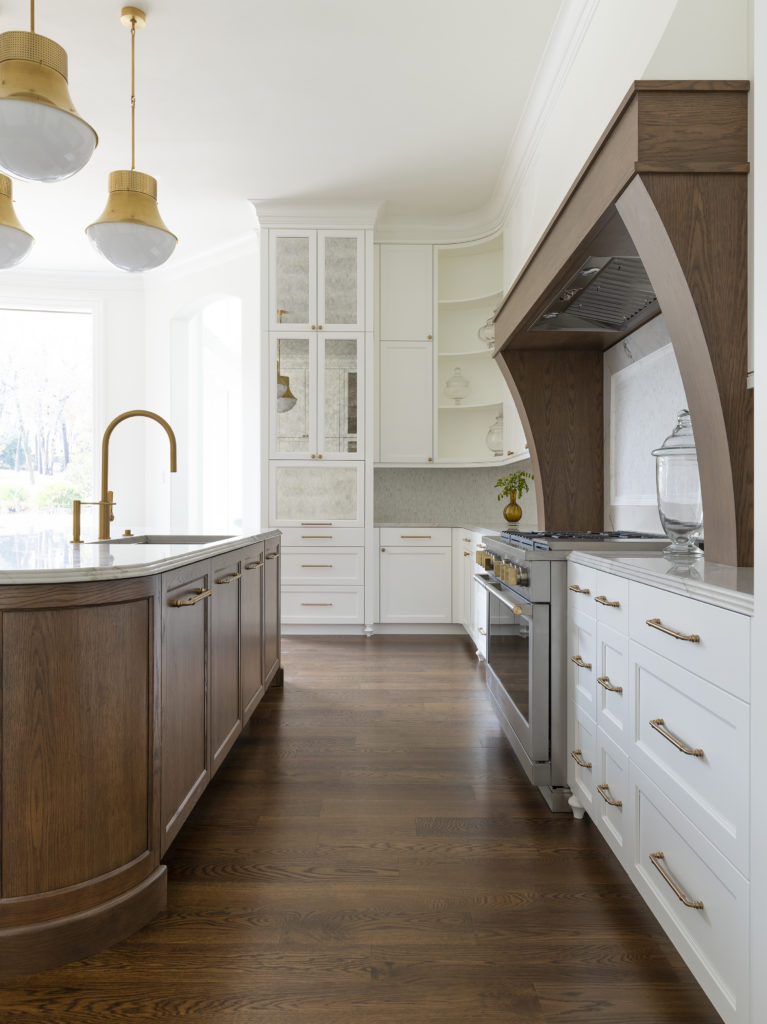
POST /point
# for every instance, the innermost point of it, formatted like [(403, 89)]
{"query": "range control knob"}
[(518, 577)]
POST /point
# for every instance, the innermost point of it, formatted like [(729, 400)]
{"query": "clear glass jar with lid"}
[(680, 505)]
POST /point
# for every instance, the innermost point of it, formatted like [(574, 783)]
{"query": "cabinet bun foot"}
[(578, 809)]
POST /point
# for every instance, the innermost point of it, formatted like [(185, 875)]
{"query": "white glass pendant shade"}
[(130, 232), (42, 137), (15, 242)]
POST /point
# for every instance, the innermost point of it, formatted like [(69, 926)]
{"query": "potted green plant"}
[(512, 486)]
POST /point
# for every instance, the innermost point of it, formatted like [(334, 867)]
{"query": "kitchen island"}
[(129, 669)]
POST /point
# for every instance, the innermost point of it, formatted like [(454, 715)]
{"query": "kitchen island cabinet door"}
[(186, 594), (225, 720), (251, 629), (272, 612)]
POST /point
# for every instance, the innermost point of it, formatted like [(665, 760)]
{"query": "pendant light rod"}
[(31, 15), (133, 93)]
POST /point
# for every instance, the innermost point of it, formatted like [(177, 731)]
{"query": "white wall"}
[(170, 298), (118, 303)]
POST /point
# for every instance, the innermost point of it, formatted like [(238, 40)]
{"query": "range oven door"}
[(518, 657)]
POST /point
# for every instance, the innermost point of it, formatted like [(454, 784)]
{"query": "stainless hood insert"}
[(605, 294)]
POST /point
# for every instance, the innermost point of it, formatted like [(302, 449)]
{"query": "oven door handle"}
[(519, 608)]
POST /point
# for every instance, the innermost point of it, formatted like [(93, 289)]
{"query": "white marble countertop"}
[(723, 585), (50, 557)]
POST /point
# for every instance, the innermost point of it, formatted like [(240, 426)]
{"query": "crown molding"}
[(287, 213)]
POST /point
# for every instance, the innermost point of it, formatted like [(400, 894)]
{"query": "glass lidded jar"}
[(680, 505), (494, 436), (456, 386)]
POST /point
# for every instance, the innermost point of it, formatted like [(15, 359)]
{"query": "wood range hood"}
[(655, 222)]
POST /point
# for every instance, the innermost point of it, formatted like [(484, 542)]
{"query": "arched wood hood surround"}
[(667, 183)]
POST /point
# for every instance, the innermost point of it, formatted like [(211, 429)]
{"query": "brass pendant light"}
[(15, 242), (285, 397), (130, 232), (42, 137)]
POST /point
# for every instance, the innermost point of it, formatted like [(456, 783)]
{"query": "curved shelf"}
[(471, 352), (472, 405), (472, 300)]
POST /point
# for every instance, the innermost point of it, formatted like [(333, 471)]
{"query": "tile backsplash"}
[(447, 496)]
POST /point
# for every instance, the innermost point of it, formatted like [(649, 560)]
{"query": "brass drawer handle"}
[(467, 554), (578, 660), (605, 682), (604, 790), (273, 554), (316, 524), (577, 756), (415, 536), (692, 638), (254, 565), (656, 858), (316, 536), (577, 590), (230, 578), (659, 725), (200, 593), (316, 604), (467, 540), (316, 566), (602, 599)]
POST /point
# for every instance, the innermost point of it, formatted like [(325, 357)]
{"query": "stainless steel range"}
[(525, 576)]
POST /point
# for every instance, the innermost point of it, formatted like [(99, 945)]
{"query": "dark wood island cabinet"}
[(120, 698)]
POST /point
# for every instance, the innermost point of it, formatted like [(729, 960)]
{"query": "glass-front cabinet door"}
[(340, 409), (293, 396), (341, 278), (293, 280)]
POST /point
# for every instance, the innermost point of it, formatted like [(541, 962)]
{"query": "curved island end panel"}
[(128, 672)]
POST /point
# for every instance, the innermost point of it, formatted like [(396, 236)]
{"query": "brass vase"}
[(512, 513)]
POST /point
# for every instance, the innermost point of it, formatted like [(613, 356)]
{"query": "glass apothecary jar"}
[(494, 436), (456, 386), (680, 505)]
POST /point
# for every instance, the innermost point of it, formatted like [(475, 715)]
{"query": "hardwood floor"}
[(370, 852)]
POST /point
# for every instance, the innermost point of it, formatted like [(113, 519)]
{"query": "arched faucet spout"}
[(105, 504)]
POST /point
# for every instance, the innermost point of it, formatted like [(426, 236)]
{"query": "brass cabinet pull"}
[(319, 327), (692, 638), (313, 456), (604, 790), (656, 858), (467, 554), (605, 682), (428, 337), (659, 725), (313, 565), (316, 536), (254, 565), (509, 452), (602, 599), (273, 554), (319, 456), (577, 590), (316, 604), (200, 593), (316, 524), (430, 459), (576, 659), (415, 536), (231, 578), (467, 540), (577, 756)]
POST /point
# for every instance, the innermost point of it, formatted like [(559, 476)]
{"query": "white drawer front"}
[(313, 535), (580, 774), (339, 566), (612, 689), (711, 789), (612, 796), (581, 588), (713, 940), (721, 653), (326, 605), (611, 600), (416, 536), (581, 661)]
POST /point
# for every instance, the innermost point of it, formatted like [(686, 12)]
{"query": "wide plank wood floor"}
[(371, 852)]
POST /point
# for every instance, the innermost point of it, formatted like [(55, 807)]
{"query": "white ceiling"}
[(409, 102)]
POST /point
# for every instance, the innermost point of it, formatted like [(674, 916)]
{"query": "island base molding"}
[(47, 944)]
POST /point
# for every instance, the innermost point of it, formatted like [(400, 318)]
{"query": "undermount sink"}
[(167, 538)]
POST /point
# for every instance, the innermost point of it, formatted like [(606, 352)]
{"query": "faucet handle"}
[(111, 505)]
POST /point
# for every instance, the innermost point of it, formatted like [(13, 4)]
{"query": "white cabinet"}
[(463, 575), (404, 401), (406, 293), (314, 496), (415, 584), (665, 726), (316, 280), (325, 374)]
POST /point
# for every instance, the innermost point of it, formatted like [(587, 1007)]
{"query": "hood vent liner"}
[(604, 295)]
